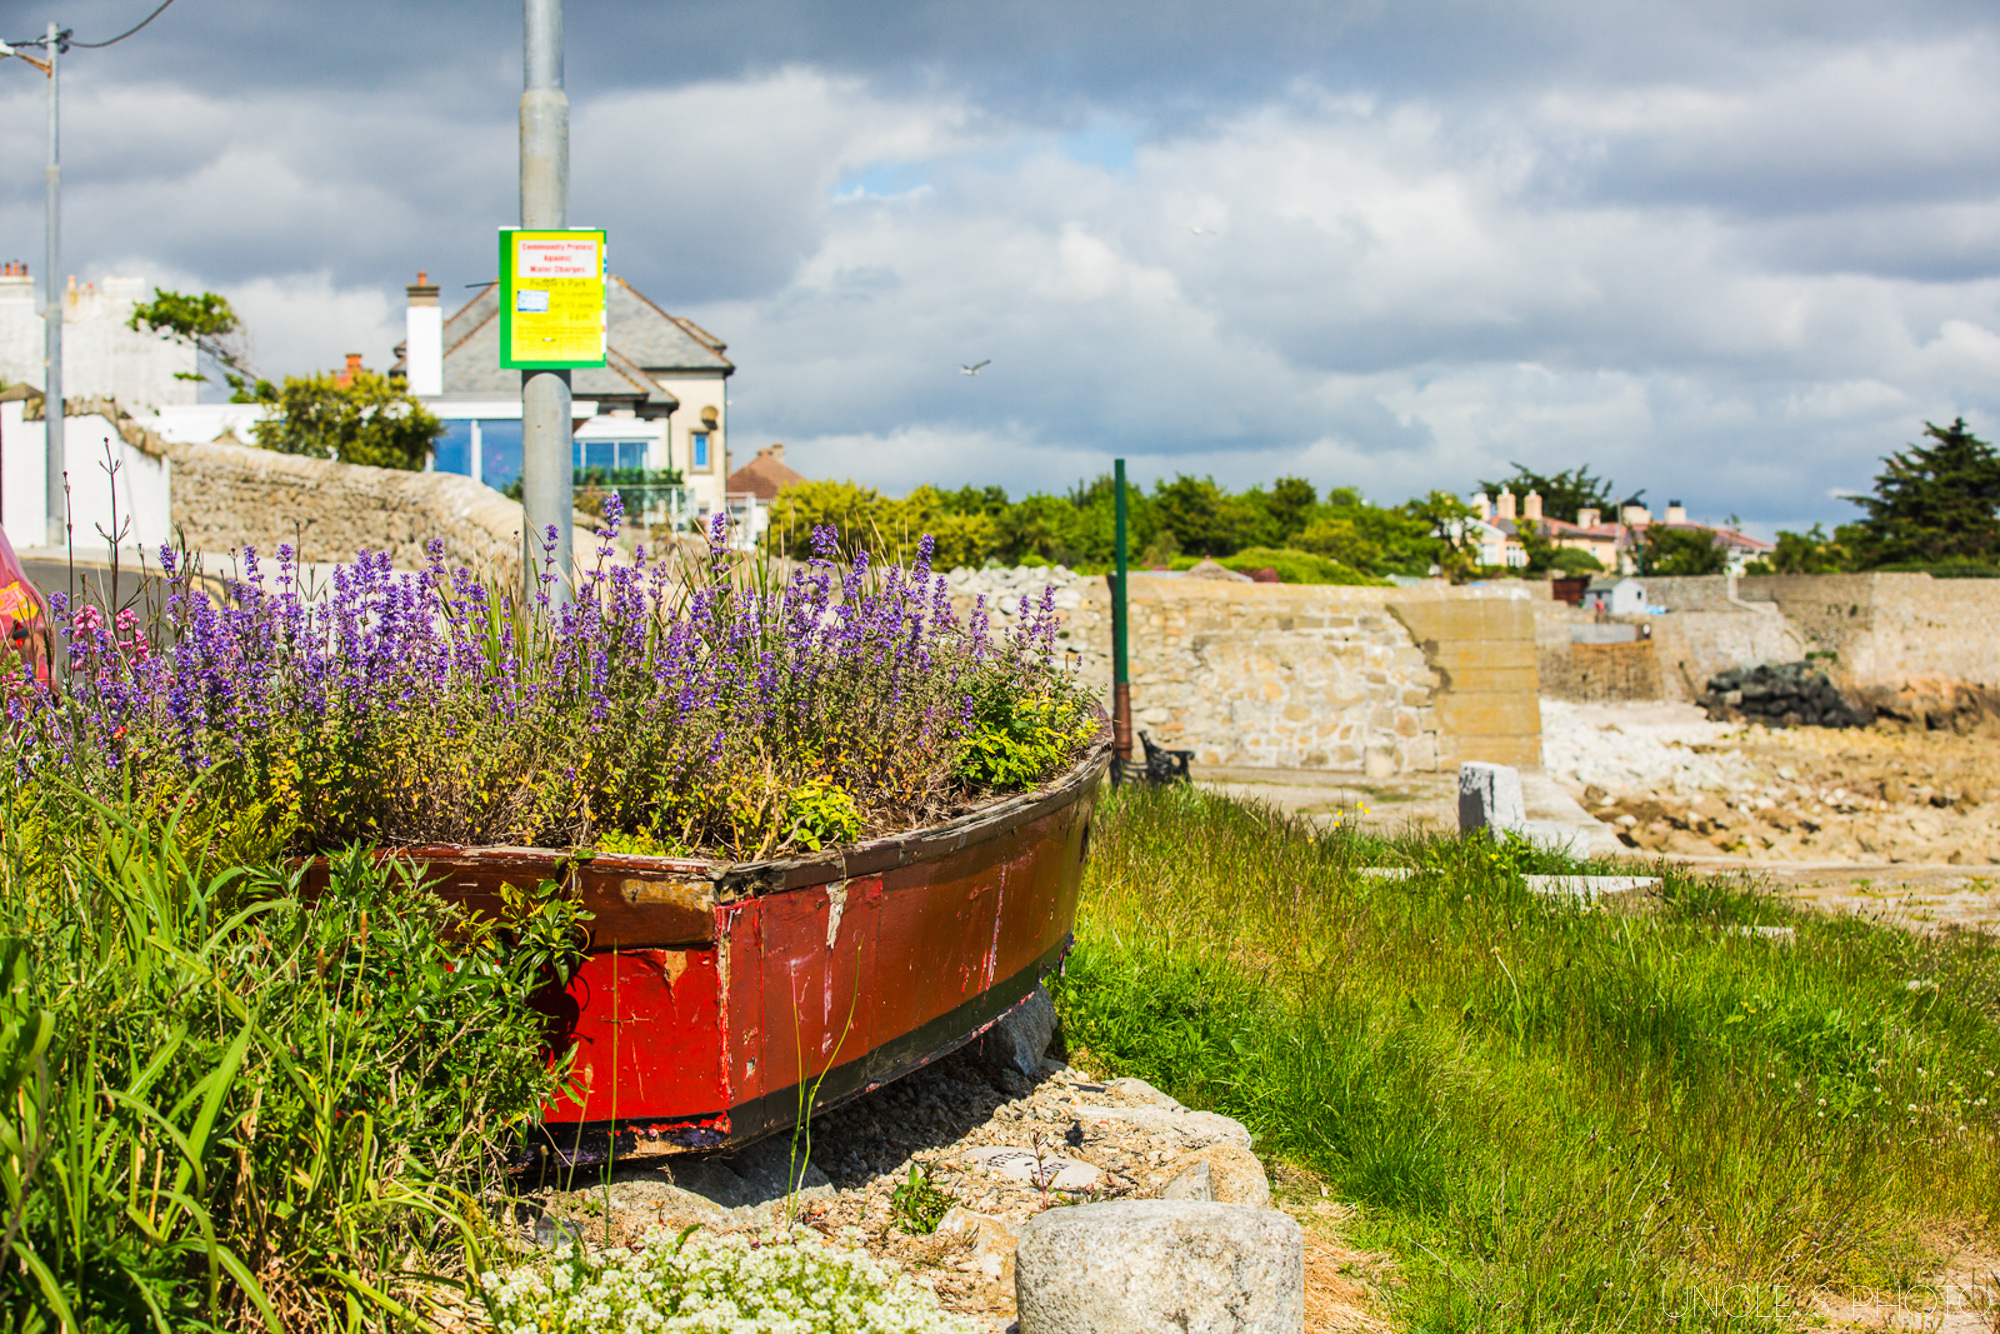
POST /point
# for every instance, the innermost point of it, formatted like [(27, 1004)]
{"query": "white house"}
[(102, 358), (658, 403), (1618, 597), (119, 482)]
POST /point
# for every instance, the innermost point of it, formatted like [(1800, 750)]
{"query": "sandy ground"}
[(1900, 826)]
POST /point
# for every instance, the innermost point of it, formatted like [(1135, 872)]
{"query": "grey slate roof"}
[(643, 338)]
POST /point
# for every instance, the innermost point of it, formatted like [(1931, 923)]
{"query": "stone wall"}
[(1380, 680), (226, 497), (1891, 630)]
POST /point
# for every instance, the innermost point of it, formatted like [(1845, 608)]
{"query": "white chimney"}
[(1676, 512), (423, 346)]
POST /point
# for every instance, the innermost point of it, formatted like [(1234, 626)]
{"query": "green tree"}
[(1933, 504), (860, 513), (1290, 502), (1340, 540), (961, 537), (367, 421), (1563, 493), (1191, 508), (1810, 552), (1446, 518), (1571, 561), (1681, 551), (209, 323)]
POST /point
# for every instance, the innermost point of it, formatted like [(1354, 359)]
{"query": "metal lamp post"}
[(547, 465)]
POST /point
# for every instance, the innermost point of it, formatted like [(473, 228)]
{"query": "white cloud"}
[(1737, 282)]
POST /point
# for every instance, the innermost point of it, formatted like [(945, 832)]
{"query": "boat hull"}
[(719, 1003)]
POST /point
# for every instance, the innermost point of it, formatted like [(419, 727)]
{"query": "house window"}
[(701, 449), (611, 455)]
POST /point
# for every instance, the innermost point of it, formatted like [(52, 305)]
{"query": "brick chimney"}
[(774, 451), (346, 377), (423, 338), (1676, 512), (1531, 506), (1586, 518), (1507, 505)]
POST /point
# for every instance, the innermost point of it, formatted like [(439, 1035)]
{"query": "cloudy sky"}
[(1729, 251)]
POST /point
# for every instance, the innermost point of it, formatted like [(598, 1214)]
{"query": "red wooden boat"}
[(718, 1002)]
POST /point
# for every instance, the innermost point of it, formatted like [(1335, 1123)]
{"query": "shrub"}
[(712, 710), (1297, 567), (367, 421)]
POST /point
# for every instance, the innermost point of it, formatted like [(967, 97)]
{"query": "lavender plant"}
[(666, 705)]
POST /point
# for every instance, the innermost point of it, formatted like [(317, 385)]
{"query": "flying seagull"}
[(975, 367)]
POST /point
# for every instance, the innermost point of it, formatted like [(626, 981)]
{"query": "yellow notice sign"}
[(551, 299)]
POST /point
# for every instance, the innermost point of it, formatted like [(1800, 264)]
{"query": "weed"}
[(1554, 1117), (919, 1204)]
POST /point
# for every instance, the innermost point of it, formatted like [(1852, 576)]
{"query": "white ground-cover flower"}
[(713, 1285)]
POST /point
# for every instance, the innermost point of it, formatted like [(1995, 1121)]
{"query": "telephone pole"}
[(547, 466), (52, 314)]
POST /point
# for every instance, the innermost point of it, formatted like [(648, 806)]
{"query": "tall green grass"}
[(1555, 1118), (223, 1105)]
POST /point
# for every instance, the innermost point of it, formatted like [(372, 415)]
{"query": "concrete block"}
[(1516, 714), (1595, 889), (1489, 797), (1185, 1265)]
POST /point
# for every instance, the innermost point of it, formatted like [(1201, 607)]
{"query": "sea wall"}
[(1378, 680), (1870, 632)]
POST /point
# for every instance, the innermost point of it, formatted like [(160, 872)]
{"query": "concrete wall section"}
[(1483, 651)]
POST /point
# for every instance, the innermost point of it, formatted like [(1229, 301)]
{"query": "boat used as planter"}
[(721, 1002)]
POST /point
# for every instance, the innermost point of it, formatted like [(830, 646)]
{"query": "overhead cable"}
[(94, 46)]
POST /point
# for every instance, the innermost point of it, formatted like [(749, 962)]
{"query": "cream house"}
[(659, 402)]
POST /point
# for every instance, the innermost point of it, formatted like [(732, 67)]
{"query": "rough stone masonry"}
[(1381, 680)]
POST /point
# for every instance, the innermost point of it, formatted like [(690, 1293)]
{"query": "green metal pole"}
[(1121, 686)]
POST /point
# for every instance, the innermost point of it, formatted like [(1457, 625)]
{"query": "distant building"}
[(1615, 597), (102, 358), (765, 475), (658, 403), (1615, 546)]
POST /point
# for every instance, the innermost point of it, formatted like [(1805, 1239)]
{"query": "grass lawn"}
[(1551, 1117)]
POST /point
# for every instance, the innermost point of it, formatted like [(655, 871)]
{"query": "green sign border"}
[(507, 235)]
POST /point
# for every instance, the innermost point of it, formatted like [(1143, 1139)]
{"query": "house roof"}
[(644, 342), (1728, 537), (764, 476)]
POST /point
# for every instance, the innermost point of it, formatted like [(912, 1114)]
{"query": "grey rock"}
[(1193, 1184), (1140, 1265), (1131, 1086), (1022, 1036), (1235, 1174), (1192, 1130), (1489, 797)]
